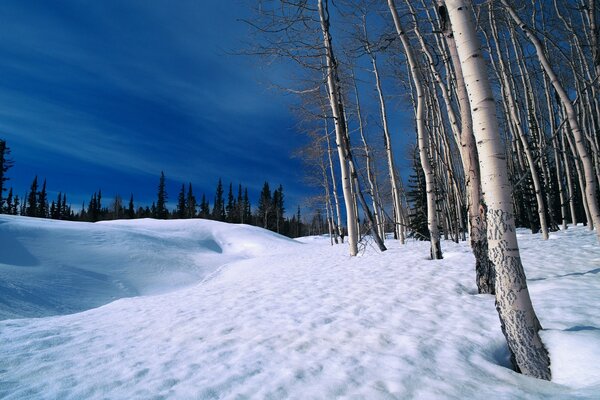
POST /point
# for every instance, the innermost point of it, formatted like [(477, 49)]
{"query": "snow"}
[(230, 311)]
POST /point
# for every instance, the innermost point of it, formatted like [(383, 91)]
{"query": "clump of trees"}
[(506, 127), (270, 212)]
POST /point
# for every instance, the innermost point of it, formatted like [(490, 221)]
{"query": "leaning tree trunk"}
[(518, 320), (484, 270), (590, 179), (432, 221), (340, 128)]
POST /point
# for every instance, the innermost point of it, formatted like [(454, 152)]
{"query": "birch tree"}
[(432, 221), (337, 110), (519, 322), (578, 134)]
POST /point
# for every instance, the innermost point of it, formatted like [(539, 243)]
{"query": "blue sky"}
[(106, 94)]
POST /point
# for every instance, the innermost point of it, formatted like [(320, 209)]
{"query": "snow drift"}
[(52, 267)]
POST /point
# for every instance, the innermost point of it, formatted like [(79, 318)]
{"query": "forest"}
[(503, 98), (269, 213)]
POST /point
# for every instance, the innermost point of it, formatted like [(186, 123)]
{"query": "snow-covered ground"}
[(229, 311)]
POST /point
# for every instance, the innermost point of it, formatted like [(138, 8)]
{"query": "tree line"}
[(234, 207), (505, 104)]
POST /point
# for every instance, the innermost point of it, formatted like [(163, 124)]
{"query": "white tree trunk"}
[(519, 322), (432, 221), (484, 270), (590, 179), (396, 203), (340, 128)]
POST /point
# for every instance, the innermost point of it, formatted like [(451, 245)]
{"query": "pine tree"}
[(161, 211), (5, 164), (417, 197), (239, 209), (42, 210), (9, 203), (53, 210), (58, 211), (218, 212), (278, 208), (230, 208), (299, 225), (265, 206), (65, 210), (190, 204), (32, 198), (204, 208), (131, 208), (92, 211), (181, 210), (247, 209)]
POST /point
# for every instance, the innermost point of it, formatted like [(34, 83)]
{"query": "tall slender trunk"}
[(432, 222), (588, 170), (518, 320), (484, 269), (396, 203), (338, 225), (337, 110), (369, 164)]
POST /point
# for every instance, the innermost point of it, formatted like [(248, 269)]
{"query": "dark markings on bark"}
[(519, 326)]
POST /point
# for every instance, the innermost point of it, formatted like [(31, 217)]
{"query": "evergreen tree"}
[(218, 212), (181, 209), (265, 206), (161, 211), (299, 226), (131, 208), (153, 210), (190, 204), (416, 196), (239, 209), (58, 211), (117, 207), (9, 203), (93, 209), (42, 210), (230, 209), (278, 208), (5, 164), (247, 209), (204, 208), (65, 210), (32, 198), (53, 210)]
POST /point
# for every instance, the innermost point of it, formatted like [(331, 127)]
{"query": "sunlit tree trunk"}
[(515, 115), (432, 223), (588, 170), (519, 322), (337, 110), (484, 271)]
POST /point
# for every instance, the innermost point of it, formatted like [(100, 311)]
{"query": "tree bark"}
[(337, 111), (432, 221), (484, 269), (518, 320), (588, 170)]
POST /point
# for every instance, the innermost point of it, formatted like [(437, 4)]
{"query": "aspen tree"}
[(337, 110), (588, 170), (514, 113), (484, 271), (432, 221), (518, 320)]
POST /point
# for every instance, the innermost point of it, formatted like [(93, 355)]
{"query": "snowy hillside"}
[(55, 267), (244, 313)]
